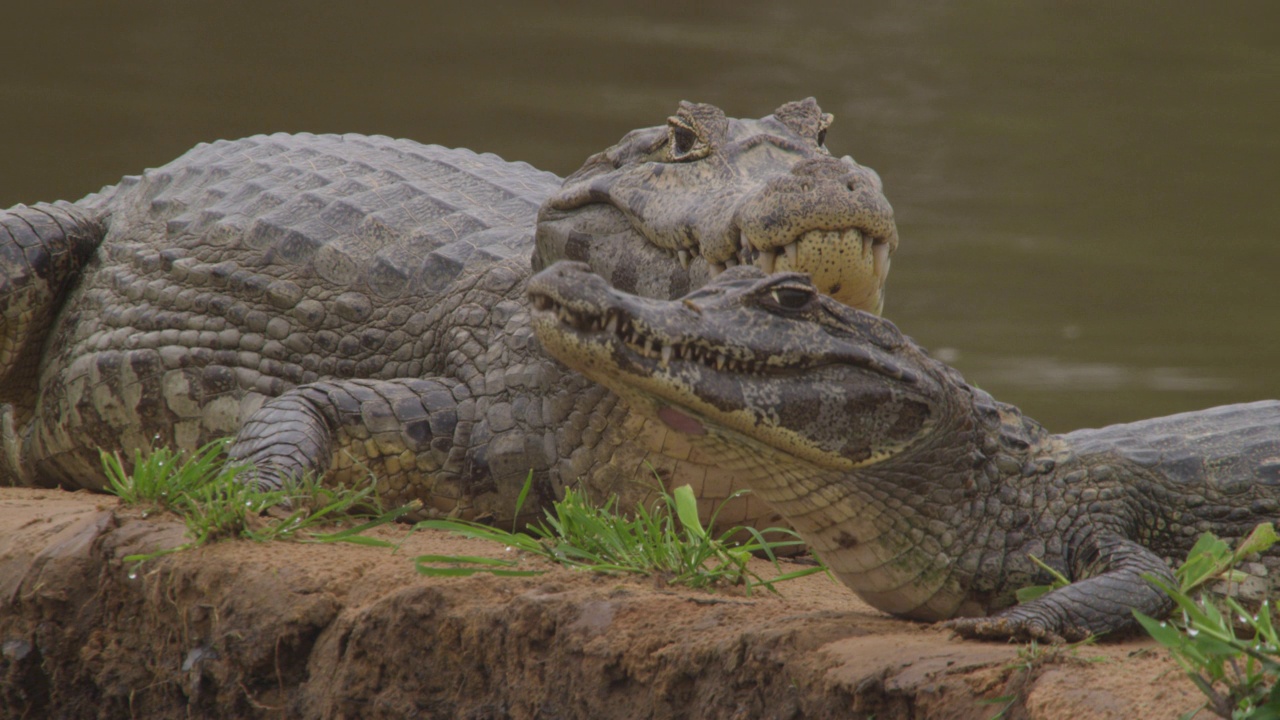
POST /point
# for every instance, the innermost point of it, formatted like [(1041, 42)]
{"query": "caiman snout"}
[(828, 218), (841, 172)]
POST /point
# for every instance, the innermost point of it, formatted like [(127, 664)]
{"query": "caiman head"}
[(763, 362), (876, 453), (668, 208)]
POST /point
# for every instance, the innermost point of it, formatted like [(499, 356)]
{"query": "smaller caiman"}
[(921, 492)]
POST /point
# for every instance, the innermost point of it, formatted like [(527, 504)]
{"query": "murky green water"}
[(1088, 193)]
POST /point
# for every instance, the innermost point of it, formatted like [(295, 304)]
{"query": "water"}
[(1087, 192)]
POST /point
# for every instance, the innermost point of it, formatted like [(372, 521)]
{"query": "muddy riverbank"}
[(243, 630)]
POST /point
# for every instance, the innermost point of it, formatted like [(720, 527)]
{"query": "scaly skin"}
[(350, 303), (923, 494)]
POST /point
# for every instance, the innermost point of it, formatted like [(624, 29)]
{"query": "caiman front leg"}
[(1108, 586), (412, 435)]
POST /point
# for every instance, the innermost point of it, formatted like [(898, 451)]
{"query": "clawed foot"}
[(1004, 627)]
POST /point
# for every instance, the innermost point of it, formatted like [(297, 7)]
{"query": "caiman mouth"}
[(683, 371), (645, 342), (636, 345), (767, 259), (597, 326), (847, 264)]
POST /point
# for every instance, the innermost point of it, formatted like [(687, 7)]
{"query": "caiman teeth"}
[(881, 258), (767, 259), (873, 250), (645, 344), (684, 258)]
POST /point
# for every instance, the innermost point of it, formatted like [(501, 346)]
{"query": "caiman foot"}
[(1019, 629), (1109, 584)]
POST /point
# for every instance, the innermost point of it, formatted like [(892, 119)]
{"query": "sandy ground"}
[(293, 630)]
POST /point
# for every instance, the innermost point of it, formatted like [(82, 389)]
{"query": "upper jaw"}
[(640, 340), (658, 335), (645, 332)]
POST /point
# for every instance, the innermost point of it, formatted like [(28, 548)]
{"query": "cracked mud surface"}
[(244, 630)]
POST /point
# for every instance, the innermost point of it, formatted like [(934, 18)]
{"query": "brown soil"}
[(240, 629)]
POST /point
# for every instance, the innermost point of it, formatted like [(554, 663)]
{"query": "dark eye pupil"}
[(683, 140), (791, 297)]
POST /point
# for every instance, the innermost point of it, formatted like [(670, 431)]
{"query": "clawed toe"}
[(1002, 628)]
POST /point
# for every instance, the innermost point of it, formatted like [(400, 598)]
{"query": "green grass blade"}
[(1059, 580), (346, 534), (794, 574), (467, 572), (524, 495), (687, 511), (364, 540), (491, 566), (1258, 541), (464, 559), (481, 532), (1032, 592)]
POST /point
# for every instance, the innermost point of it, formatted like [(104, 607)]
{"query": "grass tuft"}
[(667, 540), (206, 490)]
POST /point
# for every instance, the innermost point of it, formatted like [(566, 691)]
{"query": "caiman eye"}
[(792, 297), (683, 142)]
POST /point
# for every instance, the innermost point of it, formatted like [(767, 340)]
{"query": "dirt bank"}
[(308, 631)]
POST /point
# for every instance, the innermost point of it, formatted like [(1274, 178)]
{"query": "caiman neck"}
[(1008, 443), (896, 531)]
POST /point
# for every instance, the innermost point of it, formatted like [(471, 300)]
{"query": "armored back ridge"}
[(922, 493), (347, 304)]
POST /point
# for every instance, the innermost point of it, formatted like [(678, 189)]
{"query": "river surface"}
[(1088, 193)]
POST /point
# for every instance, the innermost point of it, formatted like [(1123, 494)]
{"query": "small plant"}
[(1238, 676), (215, 503), (667, 540)]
